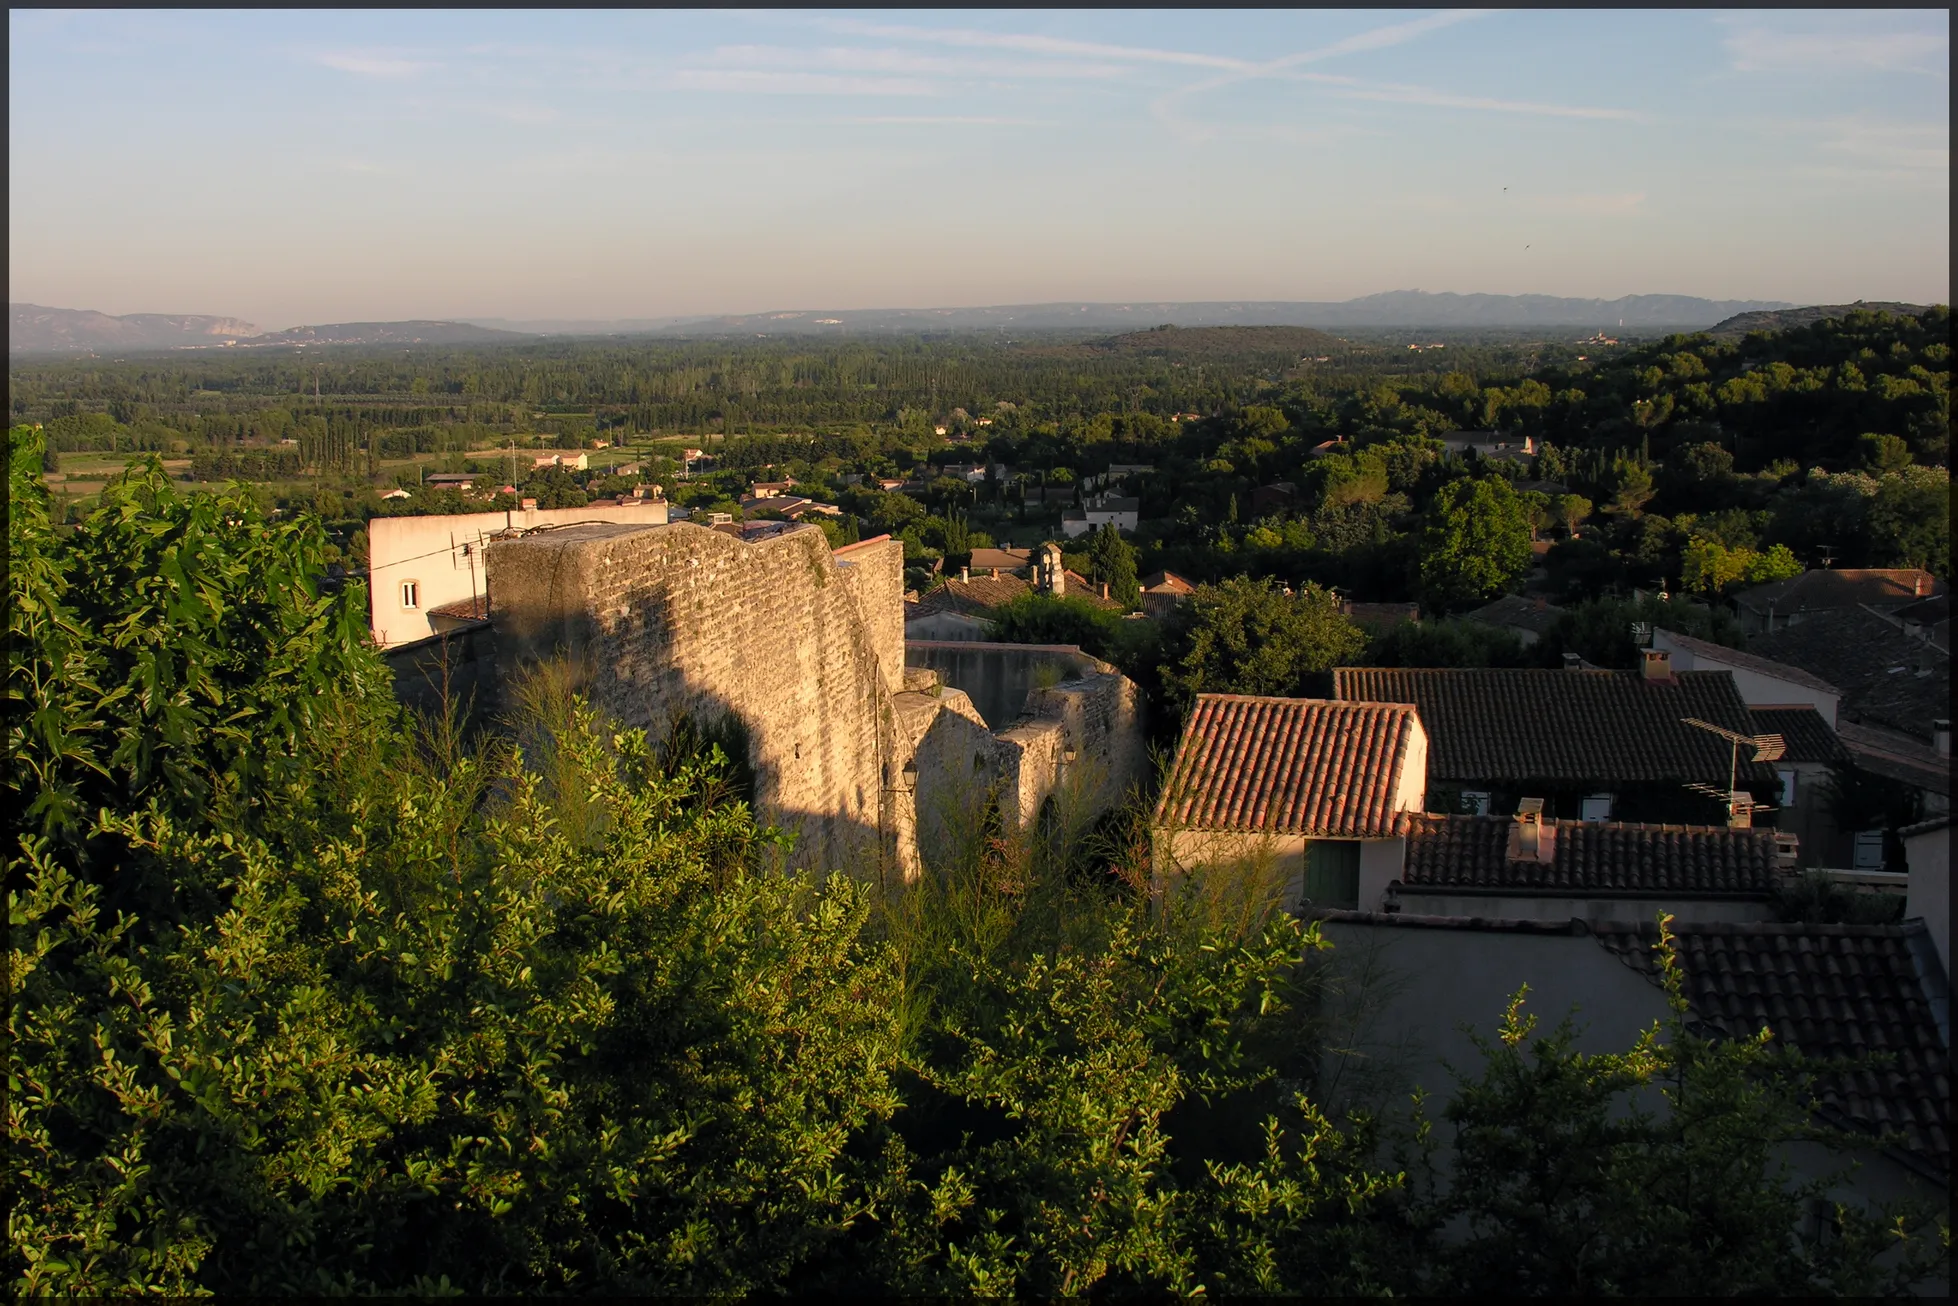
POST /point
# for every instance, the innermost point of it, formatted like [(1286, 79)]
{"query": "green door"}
[(1332, 873)]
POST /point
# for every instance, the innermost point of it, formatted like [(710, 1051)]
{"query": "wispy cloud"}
[(1032, 44), (1353, 88), (769, 82), (1167, 107), (1837, 44), (365, 63), (890, 60)]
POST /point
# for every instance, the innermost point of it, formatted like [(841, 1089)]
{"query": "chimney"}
[(1941, 736), (965, 574), (1572, 662), (995, 573), (1740, 810), (1104, 589), (1917, 585), (1531, 838), (1658, 664)]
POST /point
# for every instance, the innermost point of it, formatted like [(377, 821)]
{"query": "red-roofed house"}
[(1318, 792)]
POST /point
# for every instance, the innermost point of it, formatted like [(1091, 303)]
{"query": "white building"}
[(1102, 510), (417, 565)]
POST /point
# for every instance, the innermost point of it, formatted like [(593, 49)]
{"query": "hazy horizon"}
[(308, 167)]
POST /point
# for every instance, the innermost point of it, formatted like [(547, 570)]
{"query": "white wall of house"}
[(1381, 863), (1756, 688), (418, 563), (1929, 895)]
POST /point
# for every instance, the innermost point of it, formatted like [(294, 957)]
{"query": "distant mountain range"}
[(1788, 318), (40, 330), (1399, 308)]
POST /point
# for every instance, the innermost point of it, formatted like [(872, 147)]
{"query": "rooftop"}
[(1806, 734), (1896, 756), (1844, 587), (1741, 660), (1848, 991), (1290, 766), (1004, 559), (1167, 582), (1590, 859), (976, 597), (1604, 727), (1533, 615), (1887, 676)]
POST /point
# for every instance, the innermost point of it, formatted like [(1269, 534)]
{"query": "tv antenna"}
[(1764, 748)]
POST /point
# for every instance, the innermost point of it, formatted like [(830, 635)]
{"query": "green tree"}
[(1476, 542), (1113, 564), (1882, 453), (1250, 637), (1910, 520)]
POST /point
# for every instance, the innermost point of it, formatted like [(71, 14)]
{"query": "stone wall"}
[(999, 678), (874, 571), (443, 557), (670, 621)]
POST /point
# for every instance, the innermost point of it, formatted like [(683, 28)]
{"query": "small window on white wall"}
[(411, 594), (1476, 802), (1596, 808), (1787, 776)]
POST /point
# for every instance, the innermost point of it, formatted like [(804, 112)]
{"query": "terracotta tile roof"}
[(1849, 991), (976, 597), (1167, 582), (1806, 734), (1705, 650), (1843, 587), (1513, 610), (464, 609), (1604, 727), (1004, 559), (1290, 766), (1381, 615), (1888, 678), (1604, 859)]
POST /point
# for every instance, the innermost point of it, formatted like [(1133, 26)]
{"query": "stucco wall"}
[(1929, 894), (444, 556), (680, 619), (1403, 994)]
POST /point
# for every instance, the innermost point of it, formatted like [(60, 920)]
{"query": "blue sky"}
[(294, 167)]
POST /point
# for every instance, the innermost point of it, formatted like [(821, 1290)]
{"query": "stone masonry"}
[(804, 651)]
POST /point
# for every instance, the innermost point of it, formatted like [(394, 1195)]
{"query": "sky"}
[(297, 167)]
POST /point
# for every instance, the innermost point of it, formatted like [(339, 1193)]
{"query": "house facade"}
[(1312, 793)]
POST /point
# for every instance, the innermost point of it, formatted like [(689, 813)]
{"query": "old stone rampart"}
[(679, 621)]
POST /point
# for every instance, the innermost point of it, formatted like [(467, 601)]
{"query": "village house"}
[(1314, 793), (1765, 609), (1122, 512), (1762, 682), (1596, 745), (1163, 592), (1527, 619), (1410, 993), (1377, 618)]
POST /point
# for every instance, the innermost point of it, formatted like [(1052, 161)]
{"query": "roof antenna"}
[(1767, 748)]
